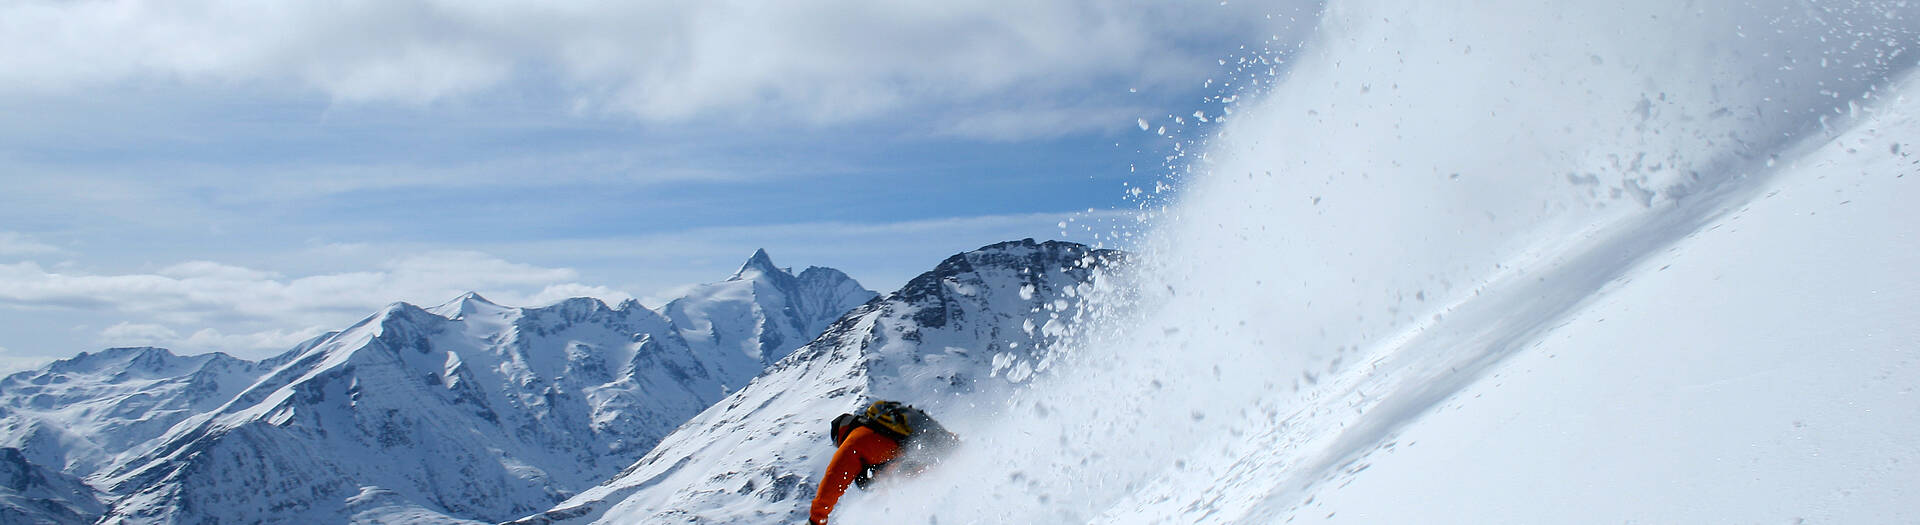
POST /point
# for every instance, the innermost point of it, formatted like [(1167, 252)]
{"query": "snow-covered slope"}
[(953, 338), (468, 410), (34, 494), (1746, 356), (1763, 370)]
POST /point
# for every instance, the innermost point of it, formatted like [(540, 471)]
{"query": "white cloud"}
[(560, 292), (213, 339), (14, 243), (659, 299), (214, 271), (138, 334), (820, 61), (205, 339)]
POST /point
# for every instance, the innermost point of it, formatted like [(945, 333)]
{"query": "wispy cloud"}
[(138, 334), (205, 339), (14, 243), (1015, 124)]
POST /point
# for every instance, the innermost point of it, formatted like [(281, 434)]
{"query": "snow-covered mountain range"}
[(960, 336), (82, 416), (465, 412)]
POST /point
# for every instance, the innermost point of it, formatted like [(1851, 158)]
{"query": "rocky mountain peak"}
[(757, 265)]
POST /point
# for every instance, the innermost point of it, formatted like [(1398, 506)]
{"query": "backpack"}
[(923, 441)]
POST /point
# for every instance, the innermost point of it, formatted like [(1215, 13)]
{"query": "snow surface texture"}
[(466, 411), (1761, 371), (953, 341), (1431, 194), (30, 493)]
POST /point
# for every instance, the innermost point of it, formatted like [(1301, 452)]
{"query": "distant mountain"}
[(81, 415), (950, 337), (465, 411), (761, 313), (469, 410)]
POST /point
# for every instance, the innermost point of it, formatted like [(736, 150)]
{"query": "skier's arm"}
[(861, 448)]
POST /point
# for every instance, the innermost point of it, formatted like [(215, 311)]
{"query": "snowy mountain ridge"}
[(466, 410), (93, 407)]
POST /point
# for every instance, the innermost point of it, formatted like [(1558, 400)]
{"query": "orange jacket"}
[(861, 449)]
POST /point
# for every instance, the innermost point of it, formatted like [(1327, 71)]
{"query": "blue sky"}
[(236, 176)]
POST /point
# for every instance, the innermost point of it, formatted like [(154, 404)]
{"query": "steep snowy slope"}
[(1663, 369), (34, 494), (952, 339), (1762, 371)]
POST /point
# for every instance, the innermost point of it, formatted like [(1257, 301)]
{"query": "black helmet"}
[(842, 426)]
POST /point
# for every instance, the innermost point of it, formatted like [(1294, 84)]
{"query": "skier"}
[(885, 439)]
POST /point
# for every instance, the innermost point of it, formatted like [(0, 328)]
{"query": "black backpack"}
[(923, 441)]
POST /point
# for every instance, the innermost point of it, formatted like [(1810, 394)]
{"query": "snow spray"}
[(1400, 161)]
